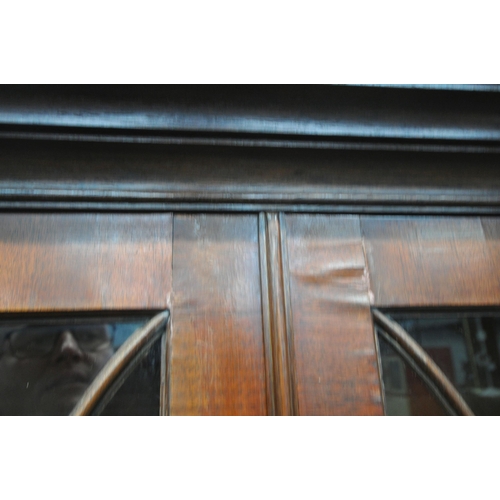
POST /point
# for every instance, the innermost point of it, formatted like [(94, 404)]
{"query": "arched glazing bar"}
[(422, 363), (119, 367)]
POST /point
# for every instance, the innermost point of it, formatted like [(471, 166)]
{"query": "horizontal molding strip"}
[(29, 191), (104, 206), (315, 110), (300, 142)]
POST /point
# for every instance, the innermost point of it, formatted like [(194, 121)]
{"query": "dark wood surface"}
[(65, 175), (336, 362), (440, 261), (57, 262), (216, 358), (280, 330), (313, 110)]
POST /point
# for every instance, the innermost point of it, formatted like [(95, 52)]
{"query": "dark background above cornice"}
[(469, 114)]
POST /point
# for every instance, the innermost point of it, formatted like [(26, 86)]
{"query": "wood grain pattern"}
[(440, 261), (84, 261), (217, 350), (336, 363), (276, 310), (491, 230)]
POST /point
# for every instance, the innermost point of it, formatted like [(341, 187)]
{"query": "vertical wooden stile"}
[(278, 337)]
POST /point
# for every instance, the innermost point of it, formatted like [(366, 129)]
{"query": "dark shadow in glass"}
[(47, 362), (466, 347), (405, 391), (140, 393)]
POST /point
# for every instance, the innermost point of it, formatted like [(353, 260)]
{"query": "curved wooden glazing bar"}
[(432, 374), (114, 373)]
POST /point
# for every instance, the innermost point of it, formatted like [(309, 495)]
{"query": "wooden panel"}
[(276, 310), (491, 229), (436, 261), (336, 364), (216, 349), (84, 261)]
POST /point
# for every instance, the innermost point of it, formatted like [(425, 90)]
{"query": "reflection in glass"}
[(465, 346), (46, 364), (404, 390), (140, 393)]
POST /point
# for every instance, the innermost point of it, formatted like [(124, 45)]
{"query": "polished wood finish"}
[(440, 261), (164, 373), (65, 175), (270, 317), (336, 362), (272, 392), (77, 262), (491, 230), (276, 310), (216, 360), (336, 149), (432, 113)]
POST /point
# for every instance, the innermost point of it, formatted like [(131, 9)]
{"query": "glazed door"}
[(268, 314), (77, 286), (74, 287), (435, 285), (439, 277)]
